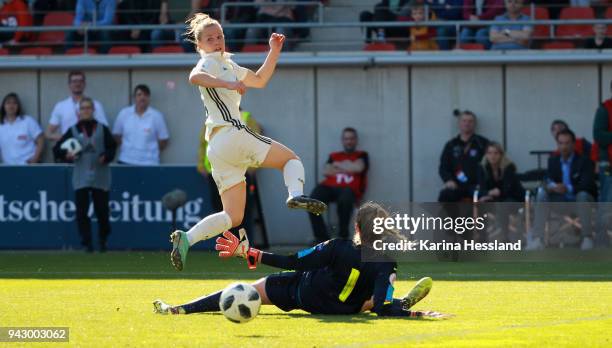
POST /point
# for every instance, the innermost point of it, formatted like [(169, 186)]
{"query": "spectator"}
[(205, 169), (163, 36), (421, 38), (498, 182), (141, 12), (570, 178), (239, 14), (474, 11), (91, 173), (93, 13), (210, 7), (14, 14), (345, 183), (65, 112), (271, 14), (511, 36), (602, 133), (461, 159), (385, 11), (446, 10), (140, 130), (599, 41), (582, 146), (21, 139)]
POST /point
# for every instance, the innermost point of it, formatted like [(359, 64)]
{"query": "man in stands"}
[(65, 112), (570, 178), (602, 133), (345, 183), (511, 36)]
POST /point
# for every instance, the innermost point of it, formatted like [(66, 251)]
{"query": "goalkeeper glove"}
[(229, 245)]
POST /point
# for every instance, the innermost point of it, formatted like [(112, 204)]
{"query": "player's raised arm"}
[(260, 78)]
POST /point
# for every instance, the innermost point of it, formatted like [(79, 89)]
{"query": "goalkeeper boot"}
[(160, 307), (418, 292), (180, 247), (311, 205)]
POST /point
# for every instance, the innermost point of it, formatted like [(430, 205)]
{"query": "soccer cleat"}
[(418, 292), (180, 247), (160, 307), (311, 205)]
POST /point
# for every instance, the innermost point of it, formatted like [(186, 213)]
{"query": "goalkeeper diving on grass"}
[(329, 278)]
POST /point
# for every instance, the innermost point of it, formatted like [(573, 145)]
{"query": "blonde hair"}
[(196, 25), (504, 161)]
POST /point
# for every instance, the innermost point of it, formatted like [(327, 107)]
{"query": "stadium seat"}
[(539, 13), (379, 46), (125, 50), (3, 52), (559, 45), (36, 51), (80, 50), (169, 49), (55, 19), (255, 48), (471, 47), (583, 30)]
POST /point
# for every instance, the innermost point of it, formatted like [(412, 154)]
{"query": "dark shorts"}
[(281, 289)]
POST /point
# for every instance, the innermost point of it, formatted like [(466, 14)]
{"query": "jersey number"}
[(350, 285)]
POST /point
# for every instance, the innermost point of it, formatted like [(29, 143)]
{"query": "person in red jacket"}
[(344, 183), (15, 13), (475, 11)]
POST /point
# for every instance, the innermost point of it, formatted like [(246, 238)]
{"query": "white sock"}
[(293, 173), (209, 227)]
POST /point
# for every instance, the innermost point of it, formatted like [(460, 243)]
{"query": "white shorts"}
[(232, 151)]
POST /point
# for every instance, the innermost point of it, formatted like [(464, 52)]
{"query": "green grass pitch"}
[(105, 299)]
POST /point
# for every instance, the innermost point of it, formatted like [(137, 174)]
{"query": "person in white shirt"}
[(65, 112), (21, 139), (141, 130), (232, 146)]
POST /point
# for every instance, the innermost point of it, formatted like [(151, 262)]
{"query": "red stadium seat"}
[(471, 47), (80, 50), (36, 51), (379, 46), (583, 30), (3, 52), (125, 50), (559, 45), (55, 19), (169, 49), (539, 13), (255, 48)]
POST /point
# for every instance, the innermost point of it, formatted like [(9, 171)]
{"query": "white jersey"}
[(65, 114), (222, 105)]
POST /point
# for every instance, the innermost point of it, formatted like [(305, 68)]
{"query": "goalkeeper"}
[(329, 278)]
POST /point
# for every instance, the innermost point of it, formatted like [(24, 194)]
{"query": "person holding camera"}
[(90, 146)]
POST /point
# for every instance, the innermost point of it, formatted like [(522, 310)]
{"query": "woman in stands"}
[(330, 278), (232, 146), (21, 139), (498, 182)]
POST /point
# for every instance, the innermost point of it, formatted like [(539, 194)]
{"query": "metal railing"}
[(87, 29)]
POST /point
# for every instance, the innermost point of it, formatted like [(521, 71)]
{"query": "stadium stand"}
[(55, 19), (572, 30), (558, 45), (36, 51), (168, 49), (80, 50), (125, 50), (379, 46)]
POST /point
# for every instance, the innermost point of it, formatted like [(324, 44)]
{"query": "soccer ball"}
[(72, 146), (240, 302)]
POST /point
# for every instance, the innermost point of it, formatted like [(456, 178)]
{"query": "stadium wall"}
[(403, 114)]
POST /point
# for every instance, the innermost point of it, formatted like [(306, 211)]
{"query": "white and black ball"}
[(240, 302), (72, 146)]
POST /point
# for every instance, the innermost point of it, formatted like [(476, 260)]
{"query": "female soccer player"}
[(233, 147), (330, 278)]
